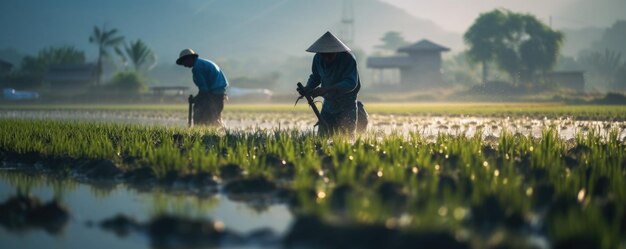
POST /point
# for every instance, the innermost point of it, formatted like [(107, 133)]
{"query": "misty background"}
[(263, 42)]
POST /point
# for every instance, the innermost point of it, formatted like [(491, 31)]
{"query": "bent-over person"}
[(211, 83), (334, 76)]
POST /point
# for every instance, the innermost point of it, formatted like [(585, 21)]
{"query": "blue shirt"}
[(209, 77), (343, 74)]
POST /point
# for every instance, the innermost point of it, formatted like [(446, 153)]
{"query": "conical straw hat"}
[(328, 43), (186, 52)]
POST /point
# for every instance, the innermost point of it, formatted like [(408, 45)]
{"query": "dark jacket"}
[(343, 73)]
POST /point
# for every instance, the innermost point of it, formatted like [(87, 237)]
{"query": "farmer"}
[(211, 82), (335, 69)]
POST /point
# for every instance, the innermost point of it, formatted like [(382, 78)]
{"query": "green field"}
[(566, 190), (584, 112)]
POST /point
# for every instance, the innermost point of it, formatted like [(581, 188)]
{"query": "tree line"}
[(524, 48), (135, 56)]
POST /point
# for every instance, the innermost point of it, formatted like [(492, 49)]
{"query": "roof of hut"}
[(423, 45)]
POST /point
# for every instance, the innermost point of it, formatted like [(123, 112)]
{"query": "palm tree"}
[(139, 54), (104, 39)]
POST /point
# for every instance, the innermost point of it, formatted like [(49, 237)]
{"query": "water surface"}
[(89, 205)]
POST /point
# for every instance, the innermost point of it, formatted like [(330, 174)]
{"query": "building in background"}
[(419, 65), (71, 76)]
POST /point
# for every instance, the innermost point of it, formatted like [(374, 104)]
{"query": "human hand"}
[(321, 91), (305, 91)]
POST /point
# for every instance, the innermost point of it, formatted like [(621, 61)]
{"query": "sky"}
[(458, 15), (249, 27)]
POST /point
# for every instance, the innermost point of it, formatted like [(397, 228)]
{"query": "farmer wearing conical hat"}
[(336, 78), (211, 82)]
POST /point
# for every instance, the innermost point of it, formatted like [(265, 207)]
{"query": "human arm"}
[(314, 79)]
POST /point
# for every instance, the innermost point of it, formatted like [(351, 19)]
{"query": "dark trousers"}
[(346, 122), (208, 108)]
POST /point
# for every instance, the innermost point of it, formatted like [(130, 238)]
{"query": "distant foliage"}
[(51, 56), (105, 39), (482, 38), (127, 83), (520, 44), (459, 71), (605, 70), (604, 62), (392, 40), (33, 69), (614, 38), (139, 55)]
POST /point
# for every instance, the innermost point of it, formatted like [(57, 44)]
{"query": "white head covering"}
[(328, 43), (186, 52)]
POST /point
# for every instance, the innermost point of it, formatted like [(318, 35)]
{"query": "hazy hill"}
[(232, 28)]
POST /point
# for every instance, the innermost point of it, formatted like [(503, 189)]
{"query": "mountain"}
[(222, 29)]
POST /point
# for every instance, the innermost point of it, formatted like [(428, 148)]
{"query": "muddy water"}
[(379, 123), (88, 205)]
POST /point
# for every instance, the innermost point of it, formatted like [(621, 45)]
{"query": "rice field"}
[(523, 175), (513, 110), (426, 119)]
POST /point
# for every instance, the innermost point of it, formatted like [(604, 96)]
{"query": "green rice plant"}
[(447, 182)]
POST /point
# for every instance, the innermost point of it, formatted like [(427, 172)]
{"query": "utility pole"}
[(347, 22)]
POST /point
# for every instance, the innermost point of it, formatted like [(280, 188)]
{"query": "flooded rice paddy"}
[(425, 125), (268, 182)]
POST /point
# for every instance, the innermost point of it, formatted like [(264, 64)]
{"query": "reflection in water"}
[(21, 213), (25, 182), (100, 190), (89, 204), (183, 205)]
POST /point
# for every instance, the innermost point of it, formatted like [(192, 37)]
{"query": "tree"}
[(392, 40), (33, 69), (484, 37), (105, 40), (614, 38), (520, 44), (603, 68), (139, 54), (530, 46), (51, 56), (603, 60), (460, 71), (127, 83)]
